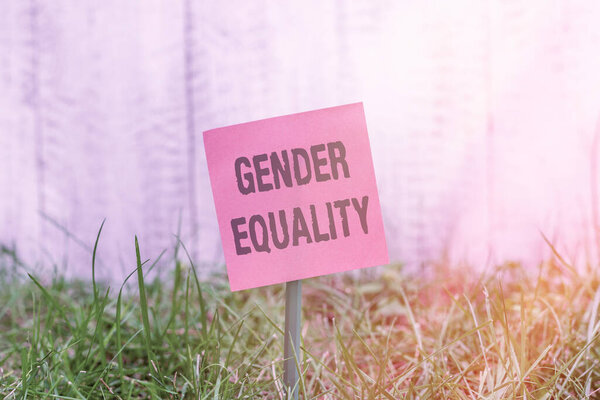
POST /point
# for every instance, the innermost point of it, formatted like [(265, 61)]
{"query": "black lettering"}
[(361, 210), (281, 170), (332, 230), (238, 236), (299, 227), (296, 153), (280, 244), (248, 176), (339, 159), (264, 246), (319, 237), (261, 172), (319, 162), (342, 204)]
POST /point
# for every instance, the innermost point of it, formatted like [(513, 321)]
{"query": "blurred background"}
[(482, 118)]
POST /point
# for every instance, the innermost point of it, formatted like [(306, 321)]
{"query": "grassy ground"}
[(454, 335)]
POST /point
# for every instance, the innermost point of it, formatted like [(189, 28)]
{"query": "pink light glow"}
[(481, 116)]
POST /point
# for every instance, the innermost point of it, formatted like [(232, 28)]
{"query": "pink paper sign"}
[(296, 196)]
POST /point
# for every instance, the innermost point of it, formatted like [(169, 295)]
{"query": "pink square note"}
[(296, 196)]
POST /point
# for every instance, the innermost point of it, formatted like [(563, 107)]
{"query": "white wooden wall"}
[(481, 117)]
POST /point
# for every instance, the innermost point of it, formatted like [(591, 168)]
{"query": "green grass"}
[(504, 334)]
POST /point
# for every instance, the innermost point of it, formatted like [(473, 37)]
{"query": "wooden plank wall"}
[(481, 116)]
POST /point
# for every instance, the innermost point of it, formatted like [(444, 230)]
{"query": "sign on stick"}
[(296, 196)]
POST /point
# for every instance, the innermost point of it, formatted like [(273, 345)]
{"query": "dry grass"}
[(502, 335)]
